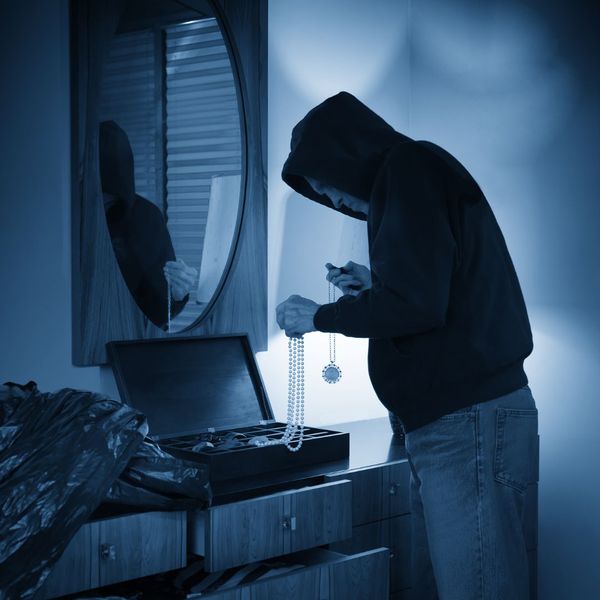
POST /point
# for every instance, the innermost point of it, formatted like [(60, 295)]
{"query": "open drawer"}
[(119, 548), (319, 575), (250, 530)]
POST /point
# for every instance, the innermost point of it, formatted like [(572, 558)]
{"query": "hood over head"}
[(116, 168), (342, 143)]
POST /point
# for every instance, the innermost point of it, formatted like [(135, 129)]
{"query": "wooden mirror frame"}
[(103, 309)]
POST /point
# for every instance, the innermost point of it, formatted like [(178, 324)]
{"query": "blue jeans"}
[(469, 472)]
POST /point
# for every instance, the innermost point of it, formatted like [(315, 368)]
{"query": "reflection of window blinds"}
[(203, 135), (129, 98)]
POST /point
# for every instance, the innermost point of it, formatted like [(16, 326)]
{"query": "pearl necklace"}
[(295, 409)]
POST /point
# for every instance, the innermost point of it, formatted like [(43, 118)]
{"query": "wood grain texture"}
[(144, 544), (77, 568), (323, 514), (378, 492), (251, 530), (391, 533), (397, 484), (304, 584), (103, 309), (102, 306), (234, 594), (365, 537), (367, 494), (399, 545), (328, 577), (244, 532), (242, 306), (361, 576)]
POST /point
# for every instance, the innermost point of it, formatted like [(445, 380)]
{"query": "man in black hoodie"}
[(139, 234), (448, 333)]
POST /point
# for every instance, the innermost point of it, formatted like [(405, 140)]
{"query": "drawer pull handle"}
[(108, 552), (289, 523), (394, 489)]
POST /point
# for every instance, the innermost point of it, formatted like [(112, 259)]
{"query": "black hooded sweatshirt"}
[(445, 316), (138, 230)]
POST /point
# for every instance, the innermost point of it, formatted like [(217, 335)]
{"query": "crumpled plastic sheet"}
[(60, 456), (155, 479)]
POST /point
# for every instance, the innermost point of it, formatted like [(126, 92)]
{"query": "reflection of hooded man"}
[(448, 332), (138, 231)]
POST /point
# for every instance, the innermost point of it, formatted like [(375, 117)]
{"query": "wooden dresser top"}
[(371, 443)]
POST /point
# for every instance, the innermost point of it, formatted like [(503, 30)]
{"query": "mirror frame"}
[(103, 310)]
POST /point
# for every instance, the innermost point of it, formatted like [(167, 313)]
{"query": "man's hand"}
[(351, 279), (296, 315), (182, 277)]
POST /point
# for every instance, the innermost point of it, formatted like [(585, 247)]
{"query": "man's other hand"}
[(295, 315), (351, 279), (183, 278)]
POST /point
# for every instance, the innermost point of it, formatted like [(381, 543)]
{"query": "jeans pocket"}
[(461, 413), (516, 455)]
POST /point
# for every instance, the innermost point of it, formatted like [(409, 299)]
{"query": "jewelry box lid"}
[(187, 385)]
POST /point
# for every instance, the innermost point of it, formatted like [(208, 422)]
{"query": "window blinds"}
[(202, 135)]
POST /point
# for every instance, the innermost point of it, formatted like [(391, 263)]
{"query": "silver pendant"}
[(331, 373)]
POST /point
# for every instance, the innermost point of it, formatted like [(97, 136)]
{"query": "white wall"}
[(511, 89), (317, 49), (35, 241), (565, 379)]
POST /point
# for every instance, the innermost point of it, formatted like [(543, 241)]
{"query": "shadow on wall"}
[(311, 238), (565, 379), (512, 89), (313, 235), (498, 84)]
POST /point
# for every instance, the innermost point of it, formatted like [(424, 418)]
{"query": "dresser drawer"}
[(77, 569), (250, 530), (141, 544), (393, 533), (117, 549), (326, 576), (378, 492)]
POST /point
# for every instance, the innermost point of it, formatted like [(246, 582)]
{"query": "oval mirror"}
[(170, 154)]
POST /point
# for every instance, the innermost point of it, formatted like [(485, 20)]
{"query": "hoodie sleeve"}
[(412, 253)]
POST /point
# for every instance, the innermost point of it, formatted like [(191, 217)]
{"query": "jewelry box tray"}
[(247, 460), (200, 388)]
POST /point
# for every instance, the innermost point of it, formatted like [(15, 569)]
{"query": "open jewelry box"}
[(205, 401)]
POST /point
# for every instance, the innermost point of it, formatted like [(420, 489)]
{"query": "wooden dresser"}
[(347, 523)]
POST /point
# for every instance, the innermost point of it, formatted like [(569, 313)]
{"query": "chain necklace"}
[(331, 372), (295, 408), (168, 305)]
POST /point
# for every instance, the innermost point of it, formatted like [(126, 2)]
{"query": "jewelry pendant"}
[(331, 373)]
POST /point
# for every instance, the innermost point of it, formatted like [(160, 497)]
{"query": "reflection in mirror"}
[(170, 158)]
